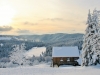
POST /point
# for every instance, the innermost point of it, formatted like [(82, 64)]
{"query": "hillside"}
[(48, 38)]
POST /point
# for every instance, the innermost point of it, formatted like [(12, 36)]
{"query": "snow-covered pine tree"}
[(91, 41)]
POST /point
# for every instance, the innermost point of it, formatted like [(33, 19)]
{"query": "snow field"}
[(35, 51), (46, 70)]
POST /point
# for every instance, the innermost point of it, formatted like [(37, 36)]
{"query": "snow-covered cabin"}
[(65, 55)]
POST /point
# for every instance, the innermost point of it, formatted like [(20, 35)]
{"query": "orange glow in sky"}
[(44, 16)]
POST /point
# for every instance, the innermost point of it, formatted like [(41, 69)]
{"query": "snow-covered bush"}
[(8, 65), (48, 59), (17, 55), (36, 62), (4, 59)]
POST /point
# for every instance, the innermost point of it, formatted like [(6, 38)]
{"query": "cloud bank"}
[(53, 19), (29, 23), (22, 31), (5, 28)]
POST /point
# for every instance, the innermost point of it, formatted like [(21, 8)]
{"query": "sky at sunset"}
[(27, 17)]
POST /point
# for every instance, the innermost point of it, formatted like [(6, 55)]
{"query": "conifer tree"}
[(91, 41)]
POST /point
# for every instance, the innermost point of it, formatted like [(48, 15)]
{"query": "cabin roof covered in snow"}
[(65, 52)]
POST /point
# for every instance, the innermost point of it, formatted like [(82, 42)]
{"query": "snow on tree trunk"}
[(91, 41), (17, 54)]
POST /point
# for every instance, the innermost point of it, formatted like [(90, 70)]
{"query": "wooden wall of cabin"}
[(65, 59)]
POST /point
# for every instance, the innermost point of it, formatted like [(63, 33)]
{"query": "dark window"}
[(68, 59)]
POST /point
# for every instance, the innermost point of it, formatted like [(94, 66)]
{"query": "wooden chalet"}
[(65, 56)]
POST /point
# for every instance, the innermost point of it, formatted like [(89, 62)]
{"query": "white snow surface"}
[(35, 51), (44, 69), (65, 52)]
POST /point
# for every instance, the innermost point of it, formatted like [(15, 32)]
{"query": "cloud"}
[(54, 19), (22, 31), (5, 28), (29, 23)]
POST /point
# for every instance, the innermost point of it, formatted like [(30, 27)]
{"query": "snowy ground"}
[(44, 69)]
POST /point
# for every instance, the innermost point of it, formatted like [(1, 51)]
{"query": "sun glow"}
[(6, 15)]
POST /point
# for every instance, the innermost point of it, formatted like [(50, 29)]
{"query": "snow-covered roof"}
[(65, 52)]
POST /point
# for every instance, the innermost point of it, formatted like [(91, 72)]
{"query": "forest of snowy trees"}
[(91, 41), (11, 50), (17, 57)]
